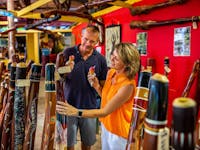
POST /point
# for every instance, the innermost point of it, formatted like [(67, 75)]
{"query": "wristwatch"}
[(80, 112)]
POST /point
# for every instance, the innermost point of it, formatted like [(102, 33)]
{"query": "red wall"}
[(160, 41)]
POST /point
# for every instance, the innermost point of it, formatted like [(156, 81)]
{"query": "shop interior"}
[(165, 33)]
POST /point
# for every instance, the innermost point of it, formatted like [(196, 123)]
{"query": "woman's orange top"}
[(118, 122)]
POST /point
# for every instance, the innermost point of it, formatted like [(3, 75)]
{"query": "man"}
[(78, 91)]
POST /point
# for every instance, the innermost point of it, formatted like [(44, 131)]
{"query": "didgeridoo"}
[(183, 124), (31, 118), (50, 109), (19, 106), (139, 111), (156, 116), (7, 130)]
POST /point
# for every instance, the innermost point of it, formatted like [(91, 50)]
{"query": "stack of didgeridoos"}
[(139, 111), (6, 138), (50, 109), (156, 116), (19, 106), (31, 118)]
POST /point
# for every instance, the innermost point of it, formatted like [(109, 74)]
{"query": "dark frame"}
[(141, 39), (182, 41), (113, 37)]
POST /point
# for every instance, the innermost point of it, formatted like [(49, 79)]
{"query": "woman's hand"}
[(94, 82), (66, 109)]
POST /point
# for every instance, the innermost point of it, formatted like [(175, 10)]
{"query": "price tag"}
[(163, 139), (64, 69)]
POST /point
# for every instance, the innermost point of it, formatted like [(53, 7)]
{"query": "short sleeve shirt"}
[(77, 90)]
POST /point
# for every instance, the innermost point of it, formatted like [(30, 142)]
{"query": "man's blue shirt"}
[(77, 89)]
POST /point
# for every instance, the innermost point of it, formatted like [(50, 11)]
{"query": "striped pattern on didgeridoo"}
[(19, 107)]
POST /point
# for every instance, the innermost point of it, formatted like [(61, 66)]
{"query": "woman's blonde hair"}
[(130, 56)]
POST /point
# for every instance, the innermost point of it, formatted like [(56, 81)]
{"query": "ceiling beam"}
[(122, 4), (25, 13), (63, 18), (37, 31), (73, 19), (117, 5), (31, 7)]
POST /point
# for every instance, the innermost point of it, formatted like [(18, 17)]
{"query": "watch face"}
[(80, 113)]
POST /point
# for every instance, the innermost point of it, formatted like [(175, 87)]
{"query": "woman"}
[(116, 97)]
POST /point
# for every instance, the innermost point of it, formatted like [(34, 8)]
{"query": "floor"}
[(40, 122)]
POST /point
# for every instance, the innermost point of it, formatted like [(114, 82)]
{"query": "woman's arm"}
[(120, 98)]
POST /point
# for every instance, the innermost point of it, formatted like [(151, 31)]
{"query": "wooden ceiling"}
[(86, 9)]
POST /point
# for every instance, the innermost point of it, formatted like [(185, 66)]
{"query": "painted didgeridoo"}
[(19, 106), (4, 99), (4, 92), (60, 141), (31, 119), (7, 140), (29, 66), (45, 60), (156, 111), (151, 65), (139, 111), (183, 123), (50, 109), (192, 76), (2, 70), (14, 59), (197, 98)]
